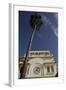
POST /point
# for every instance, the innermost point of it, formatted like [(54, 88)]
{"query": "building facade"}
[(40, 64)]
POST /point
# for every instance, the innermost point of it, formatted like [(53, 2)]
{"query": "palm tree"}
[(35, 22)]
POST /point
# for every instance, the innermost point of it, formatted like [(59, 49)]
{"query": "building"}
[(39, 64)]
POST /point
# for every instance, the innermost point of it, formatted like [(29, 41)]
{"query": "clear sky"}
[(45, 39)]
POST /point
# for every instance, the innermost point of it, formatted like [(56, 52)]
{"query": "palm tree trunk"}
[(27, 53)]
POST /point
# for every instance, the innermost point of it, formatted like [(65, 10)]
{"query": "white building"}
[(40, 64)]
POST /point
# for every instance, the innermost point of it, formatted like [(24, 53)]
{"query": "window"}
[(52, 69), (48, 69), (36, 70)]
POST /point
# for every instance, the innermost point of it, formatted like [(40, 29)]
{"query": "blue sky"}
[(45, 39)]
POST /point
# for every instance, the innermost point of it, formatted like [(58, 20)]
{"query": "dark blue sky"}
[(45, 39)]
